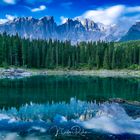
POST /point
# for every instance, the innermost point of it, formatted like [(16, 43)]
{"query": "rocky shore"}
[(14, 73), (21, 73), (122, 101)]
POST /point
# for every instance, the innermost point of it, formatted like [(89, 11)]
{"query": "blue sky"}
[(105, 11)]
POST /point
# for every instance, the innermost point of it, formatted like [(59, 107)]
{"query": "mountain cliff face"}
[(74, 30), (133, 33)]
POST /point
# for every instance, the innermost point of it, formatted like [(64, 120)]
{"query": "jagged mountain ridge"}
[(133, 33), (73, 29)]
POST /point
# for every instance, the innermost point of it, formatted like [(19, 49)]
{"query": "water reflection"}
[(76, 119), (42, 89)]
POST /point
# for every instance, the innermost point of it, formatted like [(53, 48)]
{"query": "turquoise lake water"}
[(68, 107)]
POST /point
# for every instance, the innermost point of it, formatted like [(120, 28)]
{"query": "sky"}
[(104, 11)]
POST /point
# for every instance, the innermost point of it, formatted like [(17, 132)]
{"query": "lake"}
[(69, 107)]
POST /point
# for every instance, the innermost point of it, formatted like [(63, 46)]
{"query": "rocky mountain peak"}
[(47, 18), (138, 23), (75, 30), (133, 33)]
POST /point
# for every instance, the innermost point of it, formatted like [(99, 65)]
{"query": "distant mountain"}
[(74, 29), (133, 33)]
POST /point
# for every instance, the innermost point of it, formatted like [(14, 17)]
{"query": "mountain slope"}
[(74, 30), (133, 33)]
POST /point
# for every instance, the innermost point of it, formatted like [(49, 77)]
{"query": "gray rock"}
[(73, 30), (15, 73)]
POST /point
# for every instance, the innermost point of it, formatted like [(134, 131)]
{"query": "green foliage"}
[(134, 67), (5, 65), (54, 54)]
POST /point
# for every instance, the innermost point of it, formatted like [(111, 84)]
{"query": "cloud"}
[(10, 17), (7, 18), (133, 9), (106, 15), (63, 19), (113, 14), (2, 21), (10, 1), (40, 8), (31, 2)]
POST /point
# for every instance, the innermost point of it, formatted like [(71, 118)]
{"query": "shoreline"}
[(22, 72), (98, 73)]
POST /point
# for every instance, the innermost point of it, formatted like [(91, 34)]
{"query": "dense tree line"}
[(15, 51)]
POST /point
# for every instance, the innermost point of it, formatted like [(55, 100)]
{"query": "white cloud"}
[(40, 8), (133, 9), (63, 19), (2, 21), (7, 18), (113, 14), (10, 17), (10, 1)]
